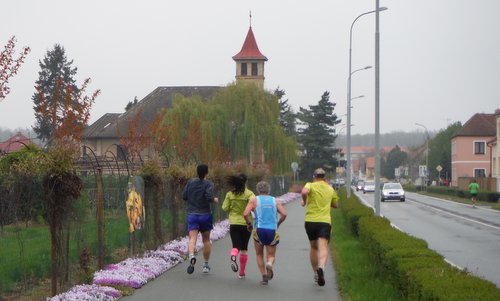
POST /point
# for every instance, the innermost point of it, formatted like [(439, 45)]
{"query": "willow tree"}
[(238, 122)]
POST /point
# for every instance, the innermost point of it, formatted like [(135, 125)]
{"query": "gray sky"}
[(440, 60)]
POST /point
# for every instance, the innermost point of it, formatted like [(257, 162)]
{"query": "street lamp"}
[(353, 98), (377, 108), (349, 97), (426, 153)]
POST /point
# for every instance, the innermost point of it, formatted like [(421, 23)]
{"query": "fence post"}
[(100, 226)]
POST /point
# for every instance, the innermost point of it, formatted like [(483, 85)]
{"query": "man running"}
[(199, 193), (474, 189), (266, 223), (318, 197)]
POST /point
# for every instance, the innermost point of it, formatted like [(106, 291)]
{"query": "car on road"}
[(369, 186), (392, 191), (359, 185)]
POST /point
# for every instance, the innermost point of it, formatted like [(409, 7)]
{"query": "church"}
[(103, 136)]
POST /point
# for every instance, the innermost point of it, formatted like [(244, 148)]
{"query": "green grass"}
[(35, 262), (356, 276), (457, 199)]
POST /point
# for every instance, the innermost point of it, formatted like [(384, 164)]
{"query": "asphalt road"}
[(293, 276), (467, 237)]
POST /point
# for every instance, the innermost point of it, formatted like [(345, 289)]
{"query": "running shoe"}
[(241, 275), (315, 278), (234, 264), (205, 269), (190, 268), (321, 277), (269, 269), (264, 281)]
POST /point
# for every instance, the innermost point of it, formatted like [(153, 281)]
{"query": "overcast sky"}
[(440, 60)]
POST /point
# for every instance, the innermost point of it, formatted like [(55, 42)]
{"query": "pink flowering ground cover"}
[(137, 271)]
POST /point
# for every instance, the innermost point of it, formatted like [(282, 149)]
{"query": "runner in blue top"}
[(265, 209), (198, 194)]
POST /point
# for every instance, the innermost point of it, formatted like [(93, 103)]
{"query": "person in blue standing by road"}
[(198, 194), (264, 229)]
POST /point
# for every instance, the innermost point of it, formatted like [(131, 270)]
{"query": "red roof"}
[(14, 143), (250, 50), (480, 125)]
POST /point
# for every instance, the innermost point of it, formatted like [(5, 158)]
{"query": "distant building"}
[(363, 160), (104, 135), (14, 143), (470, 154)]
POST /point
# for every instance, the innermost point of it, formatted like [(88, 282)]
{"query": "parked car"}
[(369, 186), (392, 191), (359, 185)]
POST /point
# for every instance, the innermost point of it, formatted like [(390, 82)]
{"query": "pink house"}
[(494, 145), (470, 154)]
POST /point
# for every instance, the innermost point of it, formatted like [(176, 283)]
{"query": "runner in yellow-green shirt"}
[(235, 203), (318, 197)]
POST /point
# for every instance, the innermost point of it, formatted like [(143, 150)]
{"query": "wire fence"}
[(25, 248)]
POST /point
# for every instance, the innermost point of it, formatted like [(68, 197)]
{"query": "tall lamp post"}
[(349, 98), (426, 153), (377, 108), (349, 107)]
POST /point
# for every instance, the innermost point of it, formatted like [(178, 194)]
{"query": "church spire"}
[(250, 61)]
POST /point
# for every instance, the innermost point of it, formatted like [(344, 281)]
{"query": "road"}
[(293, 275), (467, 237)]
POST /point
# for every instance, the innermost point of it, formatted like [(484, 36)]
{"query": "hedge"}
[(416, 271)]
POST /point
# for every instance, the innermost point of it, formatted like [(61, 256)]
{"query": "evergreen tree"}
[(317, 136), (130, 104), (440, 151), (287, 116), (395, 158), (55, 70)]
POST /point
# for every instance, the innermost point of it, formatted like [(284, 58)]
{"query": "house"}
[(470, 154), (14, 143), (104, 135), (494, 146), (363, 160)]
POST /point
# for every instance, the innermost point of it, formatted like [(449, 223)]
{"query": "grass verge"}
[(356, 276)]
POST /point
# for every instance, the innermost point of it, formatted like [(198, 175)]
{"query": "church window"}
[(254, 69)]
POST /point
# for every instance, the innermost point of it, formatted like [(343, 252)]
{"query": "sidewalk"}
[(293, 277)]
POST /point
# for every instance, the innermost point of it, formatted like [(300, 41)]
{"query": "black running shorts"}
[(316, 230)]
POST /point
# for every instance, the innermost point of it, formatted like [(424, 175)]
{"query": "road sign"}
[(439, 168), (295, 166), (422, 171)]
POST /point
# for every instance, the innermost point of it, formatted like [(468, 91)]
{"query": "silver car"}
[(369, 186), (392, 191)]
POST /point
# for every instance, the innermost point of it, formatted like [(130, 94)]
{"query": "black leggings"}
[(239, 236)]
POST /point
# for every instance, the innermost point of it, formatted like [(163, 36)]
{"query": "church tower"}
[(250, 61)]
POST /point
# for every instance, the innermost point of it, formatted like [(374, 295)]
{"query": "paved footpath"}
[(293, 277)]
